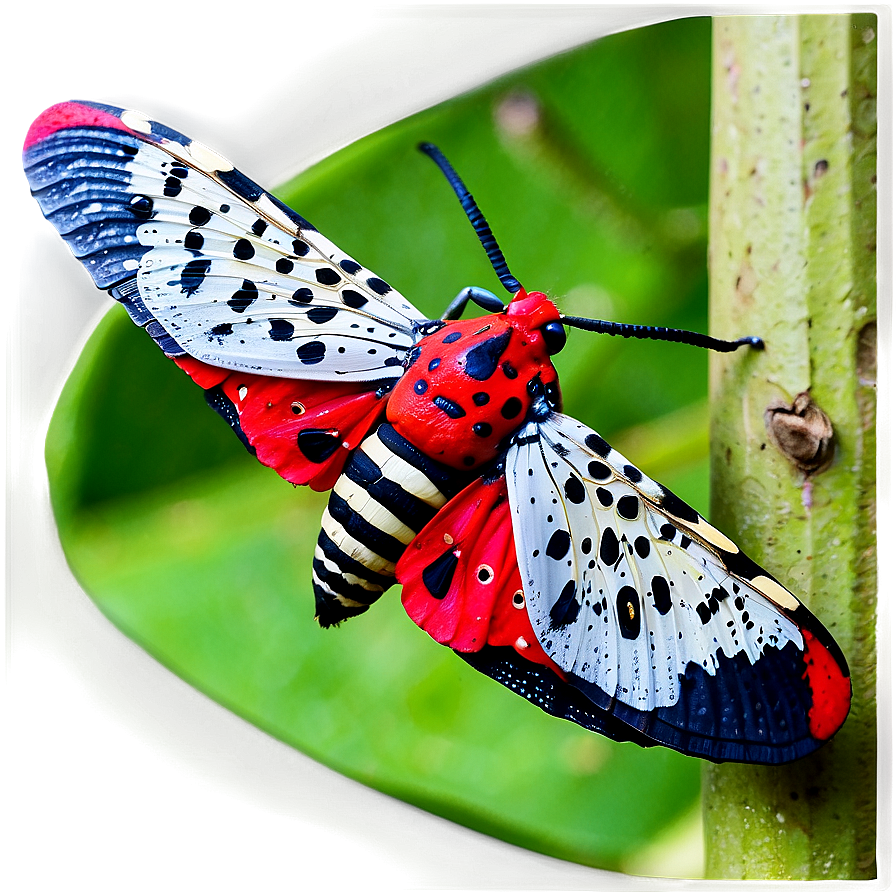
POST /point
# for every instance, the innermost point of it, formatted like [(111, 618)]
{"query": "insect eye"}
[(554, 336)]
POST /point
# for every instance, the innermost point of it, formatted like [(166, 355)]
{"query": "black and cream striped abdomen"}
[(388, 492)]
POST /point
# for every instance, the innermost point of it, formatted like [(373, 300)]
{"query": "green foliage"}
[(203, 557)]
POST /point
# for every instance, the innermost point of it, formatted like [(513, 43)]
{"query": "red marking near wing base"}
[(70, 115), (831, 690), (476, 526), (274, 410)]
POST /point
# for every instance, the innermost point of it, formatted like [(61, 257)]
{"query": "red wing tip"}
[(69, 115), (831, 689)]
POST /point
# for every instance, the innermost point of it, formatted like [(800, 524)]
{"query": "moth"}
[(522, 540)]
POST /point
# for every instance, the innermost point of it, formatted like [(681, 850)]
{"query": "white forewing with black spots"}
[(620, 590), (231, 276)]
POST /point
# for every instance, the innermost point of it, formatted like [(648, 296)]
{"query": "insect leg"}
[(481, 297)]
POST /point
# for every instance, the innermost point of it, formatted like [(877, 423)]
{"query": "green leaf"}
[(203, 558)]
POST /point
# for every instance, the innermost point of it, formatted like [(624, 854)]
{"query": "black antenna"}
[(639, 331), (475, 216)]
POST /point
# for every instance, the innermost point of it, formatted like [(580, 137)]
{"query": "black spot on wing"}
[(243, 297), (628, 506), (574, 490), (321, 314), (142, 207), (199, 216), (353, 298), (193, 241), (599, 471), (281, 330), (302, 296), (558, 545), (318, 444), (662, 596), (438, 575), (243, 250), (597, 444), (311, 352), (327, 276), (609, 547), (349, 266), (380, 287), (605, 496), (628, 612), (566, 609), (193, 274)]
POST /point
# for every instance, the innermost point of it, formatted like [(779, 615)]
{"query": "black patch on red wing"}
[(218, 401), (566, 609), (481, 361), (438, 575), (318, 444)]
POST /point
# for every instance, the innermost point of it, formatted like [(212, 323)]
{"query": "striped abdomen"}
[(388, 492)]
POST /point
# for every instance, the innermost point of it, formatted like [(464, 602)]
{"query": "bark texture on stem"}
[(793, 259)]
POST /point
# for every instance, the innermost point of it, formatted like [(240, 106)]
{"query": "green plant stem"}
[(792, 258)]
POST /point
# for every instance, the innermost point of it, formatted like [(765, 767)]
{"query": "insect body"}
[(522, 540)]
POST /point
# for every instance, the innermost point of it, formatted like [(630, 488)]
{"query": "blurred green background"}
[(592, 169)]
